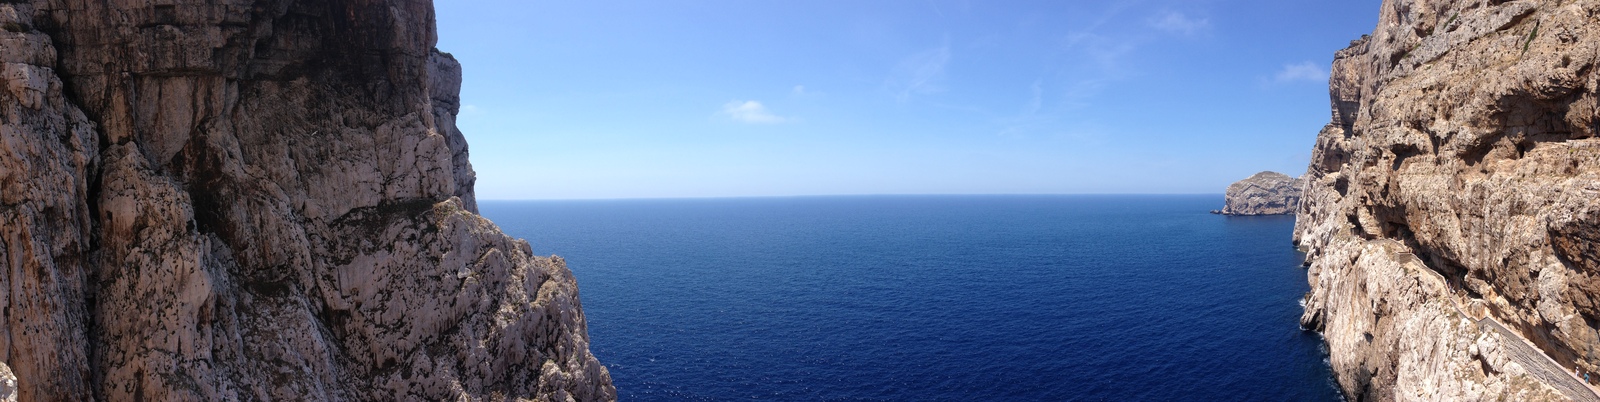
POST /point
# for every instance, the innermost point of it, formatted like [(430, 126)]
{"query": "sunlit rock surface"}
[(259, 200), (1460, 174), (1265, 193)]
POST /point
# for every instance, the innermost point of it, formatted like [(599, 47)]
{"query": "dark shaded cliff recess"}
[(259, 200), (1457, 186)]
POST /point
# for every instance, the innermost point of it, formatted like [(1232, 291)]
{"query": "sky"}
[(586, 99)]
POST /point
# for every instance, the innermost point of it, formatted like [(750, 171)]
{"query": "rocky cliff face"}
[(1265, 193), (8, 384), (261, 200), (1457, 189)]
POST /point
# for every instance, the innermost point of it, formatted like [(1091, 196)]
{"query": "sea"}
[(935, 298)]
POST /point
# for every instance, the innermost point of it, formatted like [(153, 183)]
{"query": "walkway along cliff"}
[(1452, 211), (259, 200)]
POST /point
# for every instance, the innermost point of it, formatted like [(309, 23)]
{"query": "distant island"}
[(1265, 193)]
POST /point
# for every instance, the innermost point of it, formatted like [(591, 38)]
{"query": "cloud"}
[(1177, 23), (920, 74), (1037, 102), (750, 112), (802, 91), (1080, 93), (1303, 71), (1108, 53), (467, 109)]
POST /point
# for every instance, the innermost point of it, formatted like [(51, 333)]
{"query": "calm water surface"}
[(961, 298)]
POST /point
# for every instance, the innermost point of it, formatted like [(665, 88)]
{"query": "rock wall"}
[(1462, 141), (8, 384), (259, 199), (1265, 193)]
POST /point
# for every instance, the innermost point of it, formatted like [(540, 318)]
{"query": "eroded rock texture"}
[(1463, 134), (259, 200), (8, 384), (1265, 193)]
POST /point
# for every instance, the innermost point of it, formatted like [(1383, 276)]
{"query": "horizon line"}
[(836, 195)]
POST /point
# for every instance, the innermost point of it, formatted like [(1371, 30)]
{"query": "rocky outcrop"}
[(1462, 147), (1265, 193), (8, 384), (259, 199)]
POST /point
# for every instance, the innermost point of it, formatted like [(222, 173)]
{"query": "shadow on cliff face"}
[(1577, 244), (1524, 120)]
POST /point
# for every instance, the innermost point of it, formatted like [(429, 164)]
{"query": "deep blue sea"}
[(935, 298)]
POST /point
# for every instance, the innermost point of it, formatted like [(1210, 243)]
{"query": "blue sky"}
[(719, 98)]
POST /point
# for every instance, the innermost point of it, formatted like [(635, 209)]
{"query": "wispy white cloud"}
[(1302, 71), (920, 74), (1080, 93), (750, 112), (802, 91), (1178, 23), (468, 109), (1101, 53), (1105, 51), (1037, 102)]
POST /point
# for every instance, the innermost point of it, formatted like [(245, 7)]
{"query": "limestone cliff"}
[(1265, 193), (259, 200), (8, 384), (1453, 204)]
